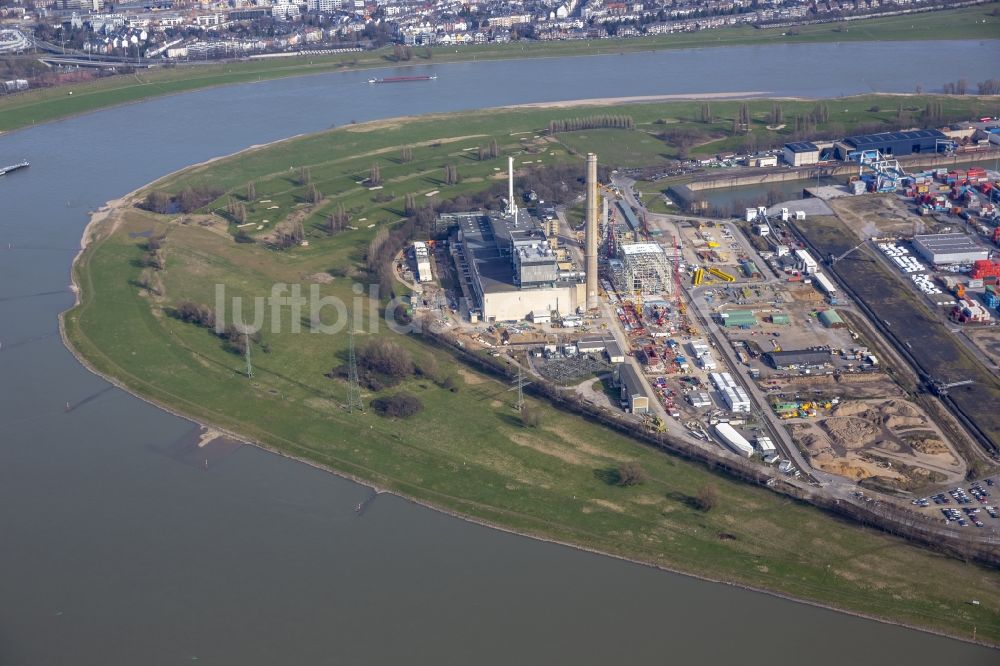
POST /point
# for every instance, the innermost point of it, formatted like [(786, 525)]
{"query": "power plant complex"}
[(511, 266)]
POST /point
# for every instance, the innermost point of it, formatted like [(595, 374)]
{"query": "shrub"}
[(386, 358), (195, 313), (531, 417), (399, 405), (707, 498), (630, 474)]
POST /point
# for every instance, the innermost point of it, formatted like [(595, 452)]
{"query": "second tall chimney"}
[(593, 302)]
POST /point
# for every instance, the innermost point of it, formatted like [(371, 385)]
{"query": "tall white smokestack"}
[(511, 208), (593, 302)]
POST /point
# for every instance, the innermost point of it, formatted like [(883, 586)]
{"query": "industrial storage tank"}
[(734, 440)]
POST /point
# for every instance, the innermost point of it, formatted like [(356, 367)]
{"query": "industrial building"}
[(801, 153), (768, 451), (761, 161), (945, 249), (732, 394), (892, 144), (805, 263), (508, 269), (780, 319), (831, 319), (614, 352), (699, 399), (825, 285), (423, 261), (591, 345), (737, 319), (633, 393), (641, 268), (541, 316), (507, 266), (628, 217), (734, 440), (781, 360)]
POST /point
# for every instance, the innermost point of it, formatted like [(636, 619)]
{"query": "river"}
[(120, 547)]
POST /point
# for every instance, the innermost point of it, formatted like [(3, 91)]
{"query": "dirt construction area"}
[(881, 215), (891, 444)]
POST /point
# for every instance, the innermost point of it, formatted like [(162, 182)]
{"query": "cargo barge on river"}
[(14, 167), (402, 79)]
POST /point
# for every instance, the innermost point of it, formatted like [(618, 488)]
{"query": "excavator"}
[(655, 423)]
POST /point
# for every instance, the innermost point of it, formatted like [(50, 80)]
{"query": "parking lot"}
[(964, 507)]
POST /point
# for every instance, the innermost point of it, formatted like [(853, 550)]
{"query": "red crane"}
[(678, 301)]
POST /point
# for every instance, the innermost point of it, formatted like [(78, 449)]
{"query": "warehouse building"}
[(945, 249), (593, 344), (801, 358), (830, 319), (801, 153), (633, 393), (825, 284), (614, 352), (737, 319), (891, 144)]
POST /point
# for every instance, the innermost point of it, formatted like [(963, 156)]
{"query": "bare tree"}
[(315, 196), (406, 154), (531, 417), (706, 113), (707, 498), (305, 176), (158, 202), (251, 191), (375, 175)]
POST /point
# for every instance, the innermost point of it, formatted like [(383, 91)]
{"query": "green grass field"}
[(51, 104), (467, 452)]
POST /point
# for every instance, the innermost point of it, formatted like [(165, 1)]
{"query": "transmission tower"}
[(519, 386), (353, 383), (246, 349), (520, 389), (246, 343)]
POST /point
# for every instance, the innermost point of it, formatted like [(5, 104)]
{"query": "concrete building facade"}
[(801, 153)]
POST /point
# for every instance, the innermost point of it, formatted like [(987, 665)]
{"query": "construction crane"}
[(879, 171), (678, 300), (832, 260), (941, 389)]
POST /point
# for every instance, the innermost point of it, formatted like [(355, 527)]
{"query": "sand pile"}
[(850, 432)]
